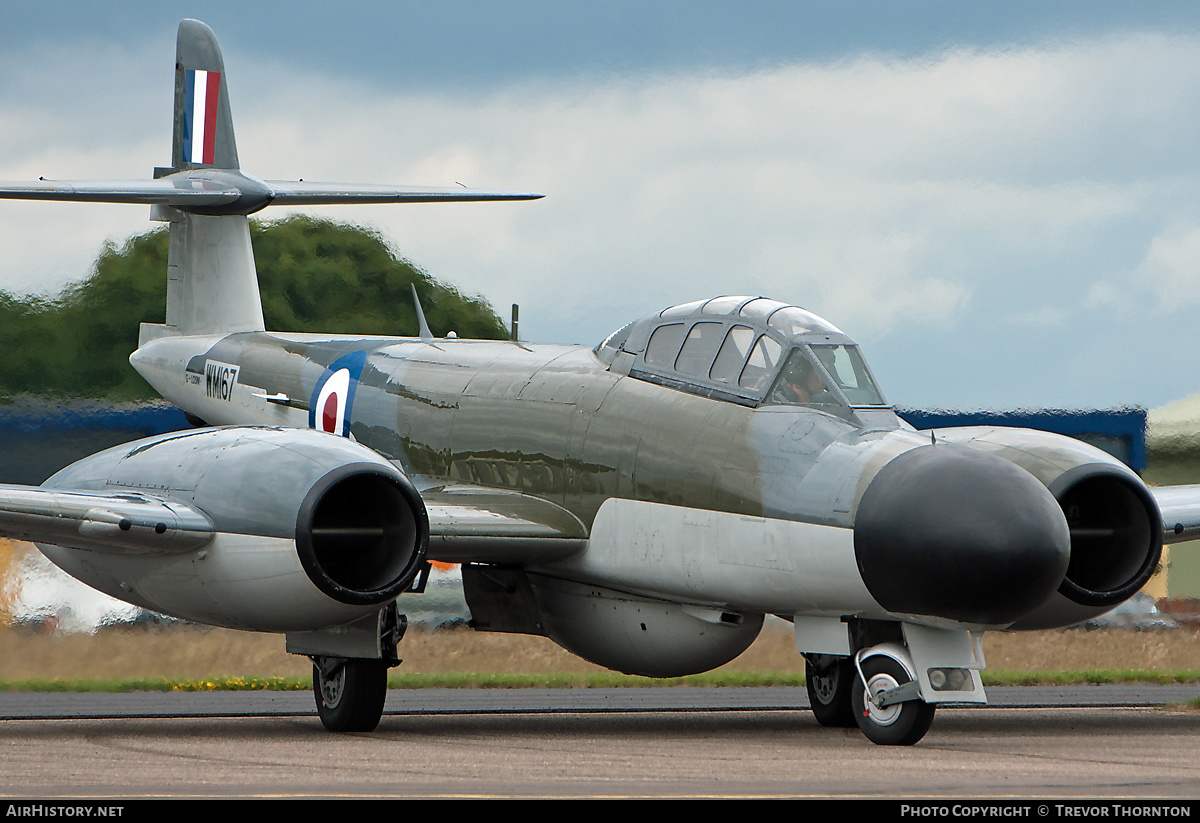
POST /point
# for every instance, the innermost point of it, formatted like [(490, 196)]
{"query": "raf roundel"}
[(332, 401), (333, 396)]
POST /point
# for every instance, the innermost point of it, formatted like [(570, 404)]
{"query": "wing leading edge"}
[(474, 524), (1180, 509), (112, 523)]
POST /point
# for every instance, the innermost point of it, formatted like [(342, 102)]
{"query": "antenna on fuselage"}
[(515, 316), (426, 334)]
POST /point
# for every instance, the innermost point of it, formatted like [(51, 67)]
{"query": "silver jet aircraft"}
[(644, 503)]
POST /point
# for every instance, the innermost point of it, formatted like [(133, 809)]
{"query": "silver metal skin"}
[(644, 503)]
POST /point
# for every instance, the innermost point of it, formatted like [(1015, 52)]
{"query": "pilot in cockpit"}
[(800, 384)]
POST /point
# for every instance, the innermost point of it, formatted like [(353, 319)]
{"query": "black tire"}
[(351, 700), (830, 687), (901, 724)]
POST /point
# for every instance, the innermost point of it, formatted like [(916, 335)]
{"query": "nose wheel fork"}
[(885, 704)]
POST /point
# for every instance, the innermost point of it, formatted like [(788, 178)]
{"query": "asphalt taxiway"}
[(1099, 741)]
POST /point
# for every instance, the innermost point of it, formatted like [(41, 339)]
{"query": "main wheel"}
[(351, 698), (830, 683), (900, 724)]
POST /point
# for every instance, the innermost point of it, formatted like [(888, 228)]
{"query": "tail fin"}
[(203, 125), (212, 284)]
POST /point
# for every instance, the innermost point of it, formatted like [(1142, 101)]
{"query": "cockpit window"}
[(664, 345), (848, 370), (760, 308), (722, 305), (682, 310), (760, 368), (800, 383), (617, 339), (733, 353), (793, 320), (745, 350), (699, 349)]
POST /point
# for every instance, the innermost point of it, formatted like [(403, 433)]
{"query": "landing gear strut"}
[(350, 691)]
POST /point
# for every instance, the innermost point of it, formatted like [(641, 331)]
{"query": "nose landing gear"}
[(886, 708)]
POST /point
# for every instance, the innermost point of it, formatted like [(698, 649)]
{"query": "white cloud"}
[(1169, 274)]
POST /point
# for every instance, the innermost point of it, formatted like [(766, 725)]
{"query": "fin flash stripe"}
[(200, 116)]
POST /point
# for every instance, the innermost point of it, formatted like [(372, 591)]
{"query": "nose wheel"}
[(349, 693), (895, 724)]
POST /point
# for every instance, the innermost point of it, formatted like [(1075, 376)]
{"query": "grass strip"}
[(227, 684), (1097, 677), (600, 680)]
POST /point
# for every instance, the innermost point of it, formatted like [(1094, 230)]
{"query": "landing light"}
[(950, 680)]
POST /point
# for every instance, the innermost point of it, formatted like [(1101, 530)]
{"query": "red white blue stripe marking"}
[(202, 89)]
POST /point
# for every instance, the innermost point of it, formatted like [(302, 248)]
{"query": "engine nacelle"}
[(1115, 525), (310, 530)]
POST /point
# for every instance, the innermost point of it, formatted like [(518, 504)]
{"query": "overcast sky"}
[(1000, 201)]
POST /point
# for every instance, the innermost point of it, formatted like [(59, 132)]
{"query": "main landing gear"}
[(829, 681), (349, 693)]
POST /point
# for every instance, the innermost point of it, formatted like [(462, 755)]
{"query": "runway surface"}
[(63, 705), (1098, 741)]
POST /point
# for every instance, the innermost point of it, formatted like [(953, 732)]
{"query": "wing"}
[(1180, 509), (110, 523), (466, 524), (473, 524)]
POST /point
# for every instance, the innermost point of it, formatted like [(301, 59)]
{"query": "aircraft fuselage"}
[(661, 481)]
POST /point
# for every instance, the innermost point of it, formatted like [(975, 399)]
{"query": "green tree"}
[(314, 276)]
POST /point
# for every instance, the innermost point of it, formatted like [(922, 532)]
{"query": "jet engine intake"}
[(1116, 535), (359, 535), (1113, 521)]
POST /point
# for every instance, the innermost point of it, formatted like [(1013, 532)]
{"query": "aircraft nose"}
[(947, 531)]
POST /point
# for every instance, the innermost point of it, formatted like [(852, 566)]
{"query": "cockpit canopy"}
[(748, 350)]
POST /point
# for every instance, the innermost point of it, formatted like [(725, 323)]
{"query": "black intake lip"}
[(950, 532)]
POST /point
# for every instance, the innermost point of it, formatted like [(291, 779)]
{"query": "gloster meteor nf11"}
[(644, 503)]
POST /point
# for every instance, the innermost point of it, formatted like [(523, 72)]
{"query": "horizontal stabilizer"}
[(303, 194), (164, 192), (219, 191)]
